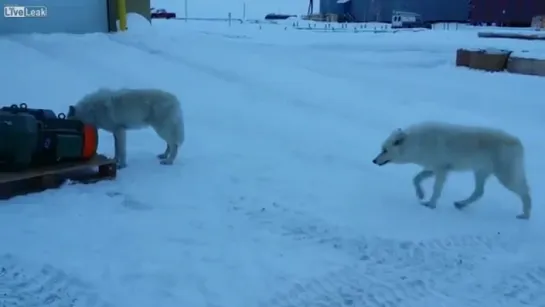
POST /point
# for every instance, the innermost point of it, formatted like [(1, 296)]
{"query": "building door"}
[(70, 16)]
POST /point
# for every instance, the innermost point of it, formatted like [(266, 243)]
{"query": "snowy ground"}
[(274, 200)]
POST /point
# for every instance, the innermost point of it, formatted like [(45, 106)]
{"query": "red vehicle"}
[(162, 14)]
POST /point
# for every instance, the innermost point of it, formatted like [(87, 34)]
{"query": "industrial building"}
[(499, 12), (512, 13), (381, 10)]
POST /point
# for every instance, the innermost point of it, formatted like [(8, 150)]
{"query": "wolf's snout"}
[(380, 163)]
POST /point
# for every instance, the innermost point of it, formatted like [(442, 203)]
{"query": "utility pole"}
[(311, 7)]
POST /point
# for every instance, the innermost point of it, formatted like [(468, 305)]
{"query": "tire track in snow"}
[(81, 62), (440, 272), (233, 78), (352, 287), (524, 286), (40, 287), (300, 226)]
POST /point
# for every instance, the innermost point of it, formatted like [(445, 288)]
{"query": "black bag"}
[(19, 134), (61, 140), (39, 114)]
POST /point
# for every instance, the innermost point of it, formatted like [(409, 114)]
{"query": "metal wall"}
[(331, 7), (507, 12), (62, 16), (438, 10), (431, 10)]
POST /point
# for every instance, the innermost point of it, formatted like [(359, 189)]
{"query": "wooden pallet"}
[(39, 179)]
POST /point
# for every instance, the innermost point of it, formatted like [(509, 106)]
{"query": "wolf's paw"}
[(429, 205), (162, 156), (419, 193), (459, 205), (121, 165), (166, 162), (523, 216)]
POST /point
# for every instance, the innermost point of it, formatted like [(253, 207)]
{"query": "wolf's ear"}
[(71, 111)]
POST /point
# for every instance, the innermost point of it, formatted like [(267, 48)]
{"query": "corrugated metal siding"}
[(331, 7), (506, 11), (360, 10), (431, 10), (369, 10), (438, 10)]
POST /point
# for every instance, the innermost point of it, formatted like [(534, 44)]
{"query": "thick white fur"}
[(440, 148), (120, 110)]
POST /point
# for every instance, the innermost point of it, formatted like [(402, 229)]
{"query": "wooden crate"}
[(462, 57), (490, 60), (39, 179)]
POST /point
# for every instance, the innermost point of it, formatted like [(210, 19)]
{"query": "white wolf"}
[(119, 110), (441, 147)]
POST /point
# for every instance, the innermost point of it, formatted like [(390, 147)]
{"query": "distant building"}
[(381, 10), (506, 12)]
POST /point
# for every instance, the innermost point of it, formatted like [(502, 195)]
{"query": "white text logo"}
[(17, 11)]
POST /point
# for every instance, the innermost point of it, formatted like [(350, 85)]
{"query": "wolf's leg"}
[(173, 148), (526, 207), (120, 144), (440, 178), (515, 181), (417, 182), (165, 154), (480, 180), (168, 157)]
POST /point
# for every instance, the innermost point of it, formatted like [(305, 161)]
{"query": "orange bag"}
[(90, 141)]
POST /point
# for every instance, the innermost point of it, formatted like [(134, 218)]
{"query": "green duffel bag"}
[(19, 136)]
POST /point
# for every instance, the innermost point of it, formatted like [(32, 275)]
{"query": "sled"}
[(40, 179)]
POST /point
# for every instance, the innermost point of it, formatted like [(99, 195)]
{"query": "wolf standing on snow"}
[(440, 148), (117, 111)]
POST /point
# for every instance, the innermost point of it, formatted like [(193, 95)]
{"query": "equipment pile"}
[(40, 146)]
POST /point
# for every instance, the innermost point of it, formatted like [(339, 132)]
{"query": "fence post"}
[(185, 9)]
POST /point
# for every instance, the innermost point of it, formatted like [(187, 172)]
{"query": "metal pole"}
[(185, 9), (122, 14)]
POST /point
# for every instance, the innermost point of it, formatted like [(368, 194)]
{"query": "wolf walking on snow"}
[(440, 148), (117, 111)]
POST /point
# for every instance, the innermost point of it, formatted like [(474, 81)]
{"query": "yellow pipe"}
[(122, 14)]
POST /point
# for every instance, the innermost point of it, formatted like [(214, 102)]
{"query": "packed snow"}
[(274, 201)]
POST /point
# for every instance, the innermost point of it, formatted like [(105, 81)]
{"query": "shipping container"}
[(512, 13)]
